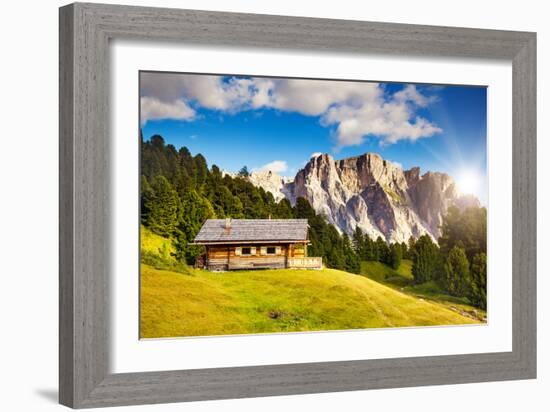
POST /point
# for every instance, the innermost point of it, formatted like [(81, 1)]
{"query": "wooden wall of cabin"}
[(297, 250), (220, 252), (220, 256), (292, 250)]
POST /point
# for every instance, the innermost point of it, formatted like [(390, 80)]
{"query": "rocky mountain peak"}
[(412, 175), (270, 181), (372, 193)]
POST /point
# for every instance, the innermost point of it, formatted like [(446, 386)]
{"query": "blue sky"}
[(236, 121)]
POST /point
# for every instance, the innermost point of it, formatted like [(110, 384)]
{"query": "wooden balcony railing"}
[(305, 262), (262, 262)]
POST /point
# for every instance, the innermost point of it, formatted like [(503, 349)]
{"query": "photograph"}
[(280, 205)]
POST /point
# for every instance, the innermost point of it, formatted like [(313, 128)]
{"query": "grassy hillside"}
[(154, 244), (382, 273), (402, 280), (203, 303), (158, 252)]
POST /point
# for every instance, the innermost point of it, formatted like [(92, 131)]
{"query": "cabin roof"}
[(252, 230)]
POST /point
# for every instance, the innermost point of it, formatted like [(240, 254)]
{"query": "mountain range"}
[(371, 193)]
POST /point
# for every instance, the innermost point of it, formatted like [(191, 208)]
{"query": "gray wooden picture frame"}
[(85, 32)]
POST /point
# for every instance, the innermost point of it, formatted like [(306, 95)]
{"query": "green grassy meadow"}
[(382, 273), (199, 303), (176, 300), (155, 245), (402, 280)]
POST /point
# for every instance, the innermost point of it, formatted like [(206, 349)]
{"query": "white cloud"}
[(316, 154), (276, 166), (356, 110), (154, 109), (314, 97), (207, 91), (389, 118), (410, 94), (397, 164)]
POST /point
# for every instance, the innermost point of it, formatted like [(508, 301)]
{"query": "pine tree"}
[(303, 209), (371, 253), (383, 250), (216, 173), (157, 142), (456, 273), (410, 247), (395, 256), (162, 204), (404, 250), (359, 243), (426, 260), (201, 168), (146, 198), (187, 165), (352, 263), (333, 246), (375, 253), (478, 290), (244, 172), (283, 210), (193, 212)]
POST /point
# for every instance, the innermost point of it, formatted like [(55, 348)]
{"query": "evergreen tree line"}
[(378, 250), (458, 263), (179, 192)]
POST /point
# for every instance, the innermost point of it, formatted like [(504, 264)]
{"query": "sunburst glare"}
[(469, 181)]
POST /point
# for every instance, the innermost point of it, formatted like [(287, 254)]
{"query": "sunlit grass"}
[(200, 303), (402, 280), (155, 244)]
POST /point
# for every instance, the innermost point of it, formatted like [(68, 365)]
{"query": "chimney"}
[(228, 223)]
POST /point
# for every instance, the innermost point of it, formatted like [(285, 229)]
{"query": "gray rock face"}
[(375, 195), (270, 182)]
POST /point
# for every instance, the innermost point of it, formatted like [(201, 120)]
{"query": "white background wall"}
[(28, 205)]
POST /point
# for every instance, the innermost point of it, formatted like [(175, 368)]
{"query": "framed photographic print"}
[(242, 196), (242, 173)]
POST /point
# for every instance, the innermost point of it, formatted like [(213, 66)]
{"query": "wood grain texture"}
[(66, 194), (85, 31), (524, 208)]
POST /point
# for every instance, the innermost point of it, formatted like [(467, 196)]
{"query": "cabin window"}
[(246, 251), (271, 250)]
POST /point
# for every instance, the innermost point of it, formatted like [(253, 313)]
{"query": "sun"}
[(468, 181)]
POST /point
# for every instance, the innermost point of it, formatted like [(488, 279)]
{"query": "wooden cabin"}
[(235, 244)]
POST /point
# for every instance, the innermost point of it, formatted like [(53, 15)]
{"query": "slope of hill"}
[(156, 245), (383, 273), (199, 303), (403, 281)]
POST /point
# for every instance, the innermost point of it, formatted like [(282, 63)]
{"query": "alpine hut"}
[(235, 244)]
